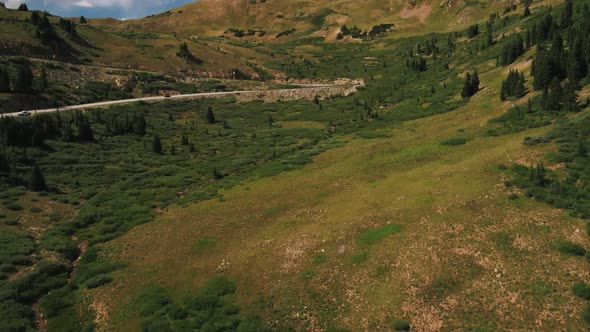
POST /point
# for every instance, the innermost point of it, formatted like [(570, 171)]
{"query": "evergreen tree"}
[(37, 179), (83, 20), (217, 174), (554, 96), (185, 140), (466, 92), (183, 51), (470, 85), (472, 31), (490, 37), (418, 65), (84, 129), (4, 163), (570, 97), (4, 80), (568, 14), (35, 18), (191, 147), (270, 120), (173, 149), (23, 7), (538, 175), (210, 116), (513, 86), (45, 31), (582, 149), (512, 50), (139, 125), (42, 82), (475, 83), (528, 41), (527, 12), (23, 82), (157, 145)]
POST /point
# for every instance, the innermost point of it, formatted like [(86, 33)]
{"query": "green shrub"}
[(400, 325), (2, 215), (7, 268), (586, 314), (13, 206), (16, 247), (454, 141), (152, 299), (582, 290), (204, 244), (99, 280), (571, 249), (11, 222), (371, 236), (513, 196), (36, 210), (57, 301)]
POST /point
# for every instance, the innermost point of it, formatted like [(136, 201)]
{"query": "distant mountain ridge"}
[(313, 17)]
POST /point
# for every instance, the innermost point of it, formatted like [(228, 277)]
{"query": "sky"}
[(120, 9)]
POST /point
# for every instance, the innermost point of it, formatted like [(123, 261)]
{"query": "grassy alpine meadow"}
[(448, 192), (397, 227)]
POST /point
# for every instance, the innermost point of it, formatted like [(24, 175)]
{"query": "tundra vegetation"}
[(455, 177)]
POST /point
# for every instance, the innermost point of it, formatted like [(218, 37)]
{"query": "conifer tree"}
[(554, 96), (466, 92), (42, 82), (538, 175), (217, 174), (4, 80), (83, 20), (570, 97), (35, 18), (183, 51), (4, 163), (23, 81), (84, 129), (513, 86), (37, 179), (527, 12), (157, 145), (470, 85), (139, 125), (210, 116), (568, 14)]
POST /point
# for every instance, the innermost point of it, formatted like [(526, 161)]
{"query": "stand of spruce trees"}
[(471, 85), (513, 86)]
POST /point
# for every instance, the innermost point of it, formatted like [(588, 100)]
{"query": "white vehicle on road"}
[(24, 113)]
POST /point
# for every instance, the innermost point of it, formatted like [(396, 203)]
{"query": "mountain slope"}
[(214, 17)]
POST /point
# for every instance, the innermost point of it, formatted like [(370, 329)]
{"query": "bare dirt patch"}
[(421, 12)]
